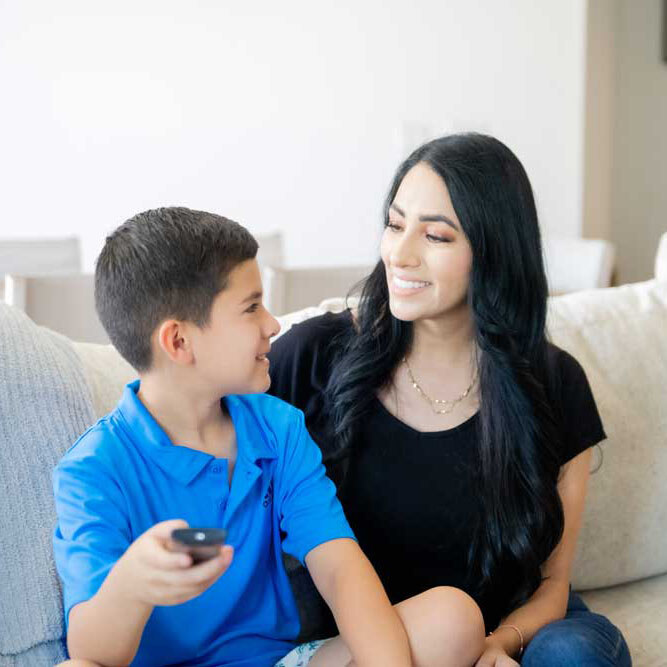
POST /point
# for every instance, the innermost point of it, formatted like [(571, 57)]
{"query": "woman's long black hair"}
[(521, 520)]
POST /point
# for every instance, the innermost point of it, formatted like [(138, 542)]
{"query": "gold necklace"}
[(435, 402)]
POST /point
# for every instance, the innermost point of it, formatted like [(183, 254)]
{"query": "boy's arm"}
[(108, 627), (369, 625), (317, 533), (111, 582)]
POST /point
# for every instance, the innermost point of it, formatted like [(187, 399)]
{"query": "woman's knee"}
[(445, 626), (77, 663), (457, 611), (593, 641)]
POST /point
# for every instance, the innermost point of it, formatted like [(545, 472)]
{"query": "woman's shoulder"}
[(564, 366), (575, 403), (302, 358)]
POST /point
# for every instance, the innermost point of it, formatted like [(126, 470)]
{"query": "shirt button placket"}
[(217, 469)]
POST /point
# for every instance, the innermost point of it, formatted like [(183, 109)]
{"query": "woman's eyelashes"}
[(438, 239), (433, 238)]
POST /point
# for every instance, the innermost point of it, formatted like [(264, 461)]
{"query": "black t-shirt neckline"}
[(447, 433)]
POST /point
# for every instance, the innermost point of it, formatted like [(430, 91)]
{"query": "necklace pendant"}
[(435, 402)]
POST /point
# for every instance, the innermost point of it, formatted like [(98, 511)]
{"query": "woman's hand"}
[(495, 656)]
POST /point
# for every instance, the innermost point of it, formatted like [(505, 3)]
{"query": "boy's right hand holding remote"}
[(150, 573), (108, 627)]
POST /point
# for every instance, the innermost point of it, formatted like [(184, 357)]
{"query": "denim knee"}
[(589, 641)]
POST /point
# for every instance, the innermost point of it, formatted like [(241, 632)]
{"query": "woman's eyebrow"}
[(428, 218), (439, 218)]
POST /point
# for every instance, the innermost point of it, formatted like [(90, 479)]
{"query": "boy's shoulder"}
[(272, 417), (100, 442), (265, 404), (272, 412)]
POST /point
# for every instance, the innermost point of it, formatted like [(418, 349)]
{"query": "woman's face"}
[(426, 255)]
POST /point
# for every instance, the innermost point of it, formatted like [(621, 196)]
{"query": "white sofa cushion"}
[(639, 610), (619, 335)]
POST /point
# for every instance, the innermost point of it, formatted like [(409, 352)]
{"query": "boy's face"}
[(230, 352)]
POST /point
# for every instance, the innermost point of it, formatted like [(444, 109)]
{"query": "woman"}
[(459, 438)]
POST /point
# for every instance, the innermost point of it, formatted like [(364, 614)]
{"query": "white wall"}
[(639, 185), (282, 115)]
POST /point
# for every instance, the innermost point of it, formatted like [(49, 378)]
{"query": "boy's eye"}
[(253, 308)]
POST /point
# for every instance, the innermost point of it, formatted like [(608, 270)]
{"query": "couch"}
[(51, 389)]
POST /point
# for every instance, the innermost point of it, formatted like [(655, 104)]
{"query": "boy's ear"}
[(173, 340)]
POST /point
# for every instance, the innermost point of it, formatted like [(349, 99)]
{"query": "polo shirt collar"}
[(184, 463), (251, 436)]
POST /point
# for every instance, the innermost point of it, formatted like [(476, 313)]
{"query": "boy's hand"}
[(149, 573)]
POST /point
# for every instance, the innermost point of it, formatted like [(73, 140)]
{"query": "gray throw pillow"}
[(45, 404)]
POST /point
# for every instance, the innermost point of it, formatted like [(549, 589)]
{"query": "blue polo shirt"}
[(124, 475)]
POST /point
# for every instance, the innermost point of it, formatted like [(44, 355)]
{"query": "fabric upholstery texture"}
[(639, 610), (107, 373), (45, 405), (619, 335)]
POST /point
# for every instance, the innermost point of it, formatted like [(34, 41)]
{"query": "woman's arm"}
[(549, 602)]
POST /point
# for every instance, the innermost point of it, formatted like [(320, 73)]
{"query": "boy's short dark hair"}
[(162, 263)]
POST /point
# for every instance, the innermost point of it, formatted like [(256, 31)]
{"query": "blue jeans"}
[(581, 639)]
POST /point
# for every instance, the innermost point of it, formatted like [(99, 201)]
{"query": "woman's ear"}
[(174, 341)]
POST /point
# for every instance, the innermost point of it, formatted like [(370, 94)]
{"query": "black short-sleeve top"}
[(409, 495)]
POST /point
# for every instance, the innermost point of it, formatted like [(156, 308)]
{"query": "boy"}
[(179, 293)]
